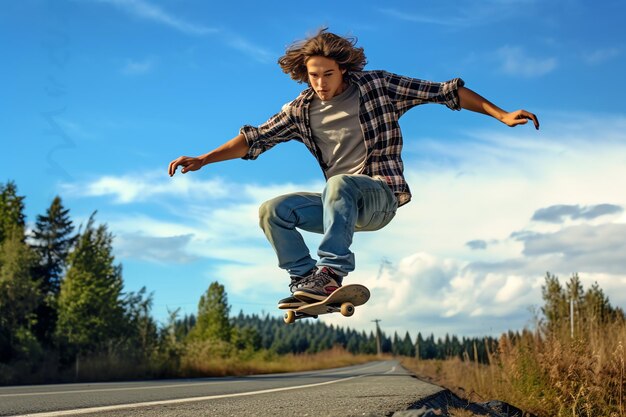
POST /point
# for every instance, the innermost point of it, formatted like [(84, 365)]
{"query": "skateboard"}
[(342, 300)]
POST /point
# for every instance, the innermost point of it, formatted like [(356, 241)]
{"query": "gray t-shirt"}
[(337, 132)]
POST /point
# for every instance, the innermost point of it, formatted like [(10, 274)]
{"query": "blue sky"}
[(100, 95)]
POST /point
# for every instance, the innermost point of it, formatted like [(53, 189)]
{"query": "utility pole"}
[(378, 348)]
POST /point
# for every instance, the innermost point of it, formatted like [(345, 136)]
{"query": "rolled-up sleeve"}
[(279, 128), (407, 92)]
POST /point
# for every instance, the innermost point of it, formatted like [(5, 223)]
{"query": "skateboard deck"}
[(343, 301)]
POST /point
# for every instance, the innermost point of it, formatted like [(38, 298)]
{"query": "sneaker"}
[(319, 286), (292, 302)]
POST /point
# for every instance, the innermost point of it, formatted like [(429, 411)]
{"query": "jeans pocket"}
[(378, 220)]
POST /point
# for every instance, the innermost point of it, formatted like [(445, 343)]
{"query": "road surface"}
[(373, 389)]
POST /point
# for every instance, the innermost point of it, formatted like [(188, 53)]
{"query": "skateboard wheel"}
[(289, 317), (347, 309)]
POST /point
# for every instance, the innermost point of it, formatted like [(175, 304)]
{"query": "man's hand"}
[(470, 100), (237, 147), (188, 163), (519, 117)]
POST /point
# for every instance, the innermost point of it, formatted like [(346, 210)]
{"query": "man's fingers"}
[(530, 116), (534, 119), (186, 162), (521, 117), (174, 165)]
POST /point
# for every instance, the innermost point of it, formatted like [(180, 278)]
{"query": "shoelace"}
[(316, 280), (298, 283), (295, 285)]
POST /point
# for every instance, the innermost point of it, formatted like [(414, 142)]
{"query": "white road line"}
[(178, 401), (181, 385), (196, 384), (391, 370)]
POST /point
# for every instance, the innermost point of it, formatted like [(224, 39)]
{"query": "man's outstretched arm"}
[(472, 101), (237, 147)]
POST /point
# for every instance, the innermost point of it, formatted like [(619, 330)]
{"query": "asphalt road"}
[(373, 389)]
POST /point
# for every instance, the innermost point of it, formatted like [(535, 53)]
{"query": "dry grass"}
[(203, 362), (547, 376), (209, 359)]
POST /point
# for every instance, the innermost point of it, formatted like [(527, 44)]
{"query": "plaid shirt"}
[(384, 98)]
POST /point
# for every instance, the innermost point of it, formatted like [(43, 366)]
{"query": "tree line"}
[(63, 312), (311, 336)]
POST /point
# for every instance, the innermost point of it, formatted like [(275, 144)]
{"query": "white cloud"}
[(598, 249), (422, 18), (142, 224), (132, 67), (434, 295), (562, 212), (142, 187), (511, 289), (515, 61), (216, 221), (463, 15), (165, 250), (249, 48), (145, 10), (602, 55)]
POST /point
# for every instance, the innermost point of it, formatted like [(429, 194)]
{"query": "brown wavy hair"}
[(326, 44)]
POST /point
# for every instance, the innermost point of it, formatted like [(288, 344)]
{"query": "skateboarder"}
[(348, 120)]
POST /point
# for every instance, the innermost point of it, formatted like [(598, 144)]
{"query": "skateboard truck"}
[(346, 309)]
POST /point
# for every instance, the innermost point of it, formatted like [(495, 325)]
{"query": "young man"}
[(348, 119)]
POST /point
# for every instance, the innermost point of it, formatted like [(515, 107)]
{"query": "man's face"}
[(325, 77)]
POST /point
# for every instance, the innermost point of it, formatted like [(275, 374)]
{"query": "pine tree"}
[(555, 309), (213, 316), (396, 347), (447, 347), (53, 238), (419, 346), (141, 335), (575, 294), (91, 308), (19, 291), (430, 348), (19, 297), (353, 343), (575, 289), (11, 211), (596, 306), (408, 348), (385, 344), (246, 338)]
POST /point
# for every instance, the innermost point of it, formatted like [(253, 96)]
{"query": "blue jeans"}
[(349, 203)]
